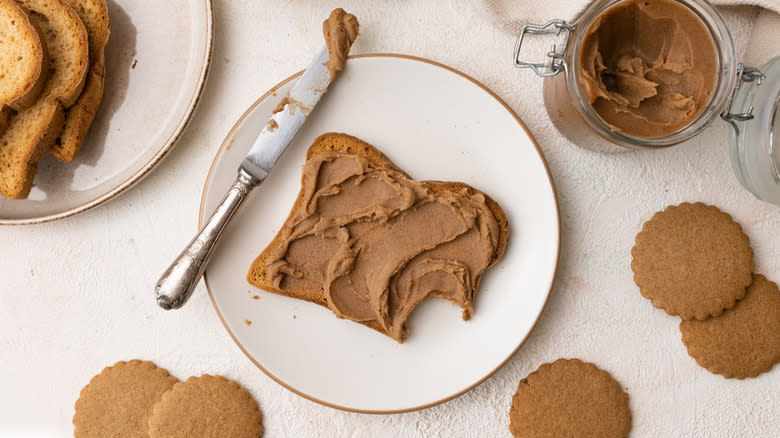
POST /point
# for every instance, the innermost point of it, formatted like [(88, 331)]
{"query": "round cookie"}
[(206, 406), (692, 260), (743, 342), (118, 401), (569, 398)]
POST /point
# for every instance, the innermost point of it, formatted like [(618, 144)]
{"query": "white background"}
[(76, 295)]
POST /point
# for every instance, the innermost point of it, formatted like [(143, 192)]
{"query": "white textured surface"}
[(76, 294)]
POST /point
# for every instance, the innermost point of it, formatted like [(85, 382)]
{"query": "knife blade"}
[(179, 280), (276, 135)]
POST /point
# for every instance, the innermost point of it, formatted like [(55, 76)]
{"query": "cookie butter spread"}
[(371, 243), (648, 67), (340, 31)]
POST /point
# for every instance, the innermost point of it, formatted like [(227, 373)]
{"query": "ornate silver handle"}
[(177, 283)]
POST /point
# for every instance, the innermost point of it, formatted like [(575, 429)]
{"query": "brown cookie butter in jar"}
[(638, 73), (648, 67)]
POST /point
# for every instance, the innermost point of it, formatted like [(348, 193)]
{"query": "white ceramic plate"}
[(154, 77), (437, 124)]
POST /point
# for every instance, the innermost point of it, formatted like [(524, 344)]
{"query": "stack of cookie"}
[(138, 399), (695, 262), (51, 83)]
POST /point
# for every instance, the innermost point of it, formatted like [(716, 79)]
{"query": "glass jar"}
[(752, 115), (755, 133)]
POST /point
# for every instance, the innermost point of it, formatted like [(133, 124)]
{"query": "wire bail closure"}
[(744, 74), (555, 61)]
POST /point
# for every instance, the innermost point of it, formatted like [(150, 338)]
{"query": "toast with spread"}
[(368, 242)]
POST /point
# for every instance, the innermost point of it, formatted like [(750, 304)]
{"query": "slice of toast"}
[(346, 144), (79, 117), (5, 118), (32, 132), (23, 64), (66, 40)]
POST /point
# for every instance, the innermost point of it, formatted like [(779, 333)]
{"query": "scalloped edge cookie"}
[(118, 401), (743, 342), (570, 398), (206, 406), (692, 260)]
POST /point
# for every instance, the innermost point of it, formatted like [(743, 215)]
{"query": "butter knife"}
[(177, 283)]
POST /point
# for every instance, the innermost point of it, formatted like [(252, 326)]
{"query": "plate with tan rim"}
[(130, 134), (437, 124)]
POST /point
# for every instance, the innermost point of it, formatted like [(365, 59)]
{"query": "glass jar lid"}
[(754, 117)]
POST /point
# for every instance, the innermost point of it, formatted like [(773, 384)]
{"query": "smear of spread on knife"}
[(340, 31), (370, 243)]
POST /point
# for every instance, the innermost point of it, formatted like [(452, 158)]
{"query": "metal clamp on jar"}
[(648, 74)]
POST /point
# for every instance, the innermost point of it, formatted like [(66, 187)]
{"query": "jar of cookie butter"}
[(648, 74)]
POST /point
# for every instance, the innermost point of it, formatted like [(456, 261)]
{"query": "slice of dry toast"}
[(32, 132), (23, 64), (79, 117), (5, 117), (347, 144)]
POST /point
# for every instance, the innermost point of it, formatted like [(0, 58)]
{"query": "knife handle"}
[(177, 283)]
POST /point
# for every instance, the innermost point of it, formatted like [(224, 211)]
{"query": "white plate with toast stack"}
[(129, 136), (436, 124)]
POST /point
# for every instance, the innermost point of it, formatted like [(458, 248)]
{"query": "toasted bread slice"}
[(23, 64), (343, 143), (79, 117), (32, 132), (66, 40), (5, 118)]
